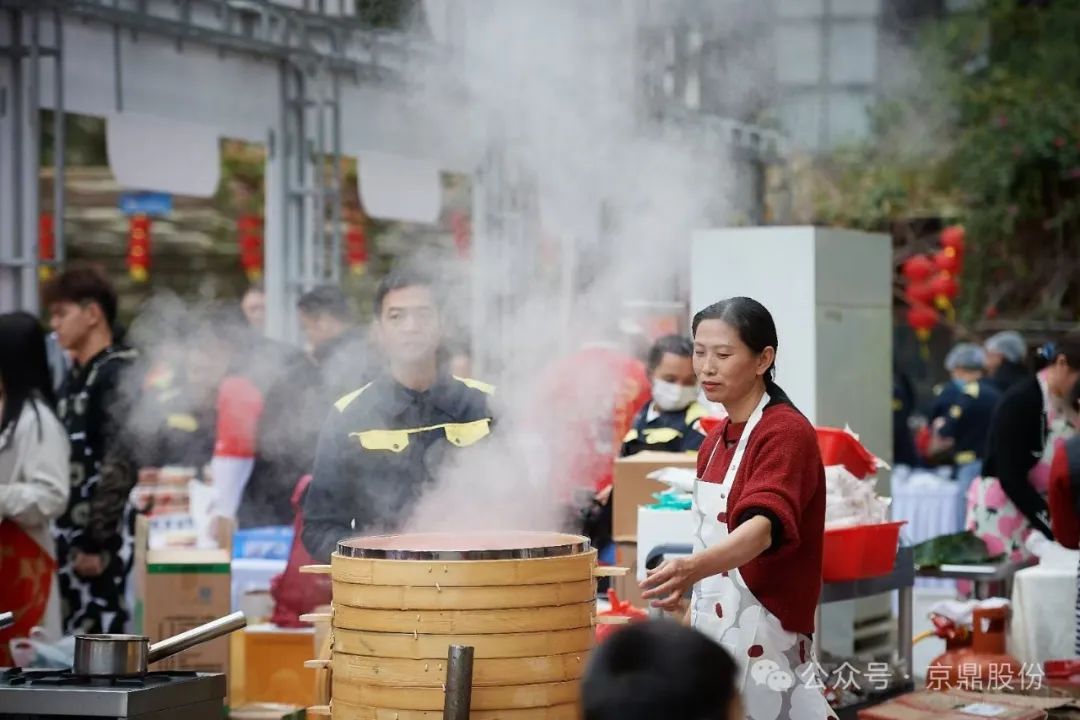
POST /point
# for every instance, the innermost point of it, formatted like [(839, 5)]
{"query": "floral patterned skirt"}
[(992, 517)]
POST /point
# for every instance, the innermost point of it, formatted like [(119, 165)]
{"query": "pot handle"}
[(195, 636)]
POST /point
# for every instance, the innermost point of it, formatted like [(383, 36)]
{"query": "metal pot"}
[(129, 655)]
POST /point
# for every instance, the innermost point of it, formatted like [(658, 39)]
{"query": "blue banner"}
[(146, 203)]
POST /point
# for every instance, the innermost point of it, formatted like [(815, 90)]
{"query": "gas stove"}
[(168, 695)]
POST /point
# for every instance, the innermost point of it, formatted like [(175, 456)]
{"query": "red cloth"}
[(590, 398), (28, 571), (239, 406), (1063, 519), (294, 593), (781, 473)]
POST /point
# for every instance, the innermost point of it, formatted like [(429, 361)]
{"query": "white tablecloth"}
[(1043, 623), (932, 506)]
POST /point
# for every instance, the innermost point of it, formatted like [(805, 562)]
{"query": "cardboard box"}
[(183, 589), (963, 705), (268, 665), (632, 488)]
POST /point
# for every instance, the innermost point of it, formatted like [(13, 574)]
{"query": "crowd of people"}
[(352, 432), (1000, 426)]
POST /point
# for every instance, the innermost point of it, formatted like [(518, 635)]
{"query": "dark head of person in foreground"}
[(660, 669)]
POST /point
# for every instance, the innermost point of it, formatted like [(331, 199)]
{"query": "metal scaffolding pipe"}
[(459, 673), (59, 140)]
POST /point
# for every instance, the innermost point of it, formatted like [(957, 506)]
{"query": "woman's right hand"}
[(667, 583)]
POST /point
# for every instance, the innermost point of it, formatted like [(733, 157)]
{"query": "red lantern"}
[(249, 235), (922, 319), (944, 286), (953, 237), (919, 294), (46, 245), (948, 260), (356, 255), (917, 268), (138, 255), (462, 229)]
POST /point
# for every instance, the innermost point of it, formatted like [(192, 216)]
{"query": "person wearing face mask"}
[(671, 420)]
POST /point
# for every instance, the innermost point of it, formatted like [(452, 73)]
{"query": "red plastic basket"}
[(839, 447), (710, 423), (864, 551)]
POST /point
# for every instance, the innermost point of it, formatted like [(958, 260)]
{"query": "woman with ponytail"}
[(759, 506)]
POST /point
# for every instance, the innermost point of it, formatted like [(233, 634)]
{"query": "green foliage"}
[(993, 140)]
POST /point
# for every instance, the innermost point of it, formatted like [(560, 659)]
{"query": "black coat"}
[(1018, 433), (380, 447)]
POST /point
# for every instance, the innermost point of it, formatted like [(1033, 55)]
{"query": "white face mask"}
[(670, 396)]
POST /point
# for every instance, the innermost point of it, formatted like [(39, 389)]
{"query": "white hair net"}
[(1009, 343), (965, 356)]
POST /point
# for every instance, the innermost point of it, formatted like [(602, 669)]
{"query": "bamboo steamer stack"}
[(524, 601)]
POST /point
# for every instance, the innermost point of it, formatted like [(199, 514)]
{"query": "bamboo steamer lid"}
[(348, 711), (496, 697), (525, 603), (400, 672), (435, 647), (431, 597)]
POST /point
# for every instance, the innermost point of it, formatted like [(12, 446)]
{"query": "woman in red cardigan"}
[(759, 506)]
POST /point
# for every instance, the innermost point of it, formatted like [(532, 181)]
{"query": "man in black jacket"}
[(384, 443), (93, 537), (1005, 354)]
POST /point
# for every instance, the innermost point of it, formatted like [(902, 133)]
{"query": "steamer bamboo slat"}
[(466, 621), (431, 597), (434, 647), (463, 573), (504, 697), (398, 672), (348, 711)]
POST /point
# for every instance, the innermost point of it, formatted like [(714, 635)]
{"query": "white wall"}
[(830, 293), (775, 266), (239, 95)]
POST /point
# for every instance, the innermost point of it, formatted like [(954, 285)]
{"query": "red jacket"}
[(590, 402), (781, 477), (1064, 498)]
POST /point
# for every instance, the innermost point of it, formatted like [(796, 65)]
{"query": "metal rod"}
[(17, 151), (318, 180), (118, 78), (59, 142), (338, 199), (905, 623), (459, 671), (32, 166), (7, 619), (194, 636)]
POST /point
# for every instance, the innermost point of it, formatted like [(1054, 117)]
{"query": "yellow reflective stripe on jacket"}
[(963, 458), (476, 385), (630, 436), (346, 400), (182, 421), (459, 434), (694, 413), (660, 435)]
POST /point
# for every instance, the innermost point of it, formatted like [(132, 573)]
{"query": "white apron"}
[(778, 677)]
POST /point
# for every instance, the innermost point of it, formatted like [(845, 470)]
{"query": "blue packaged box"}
[(267, 543)]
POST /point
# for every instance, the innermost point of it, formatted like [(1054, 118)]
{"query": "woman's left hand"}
[(666, 584)]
